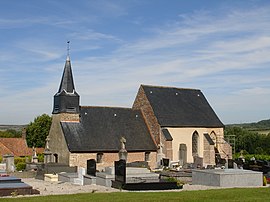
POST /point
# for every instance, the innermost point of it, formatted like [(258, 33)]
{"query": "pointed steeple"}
[(67, 83), (66, 100)]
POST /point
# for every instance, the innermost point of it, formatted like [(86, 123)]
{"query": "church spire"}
[(66, 99)]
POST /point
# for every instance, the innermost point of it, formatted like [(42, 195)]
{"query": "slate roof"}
[(178, 107), (101, 128), (17, 147), (67, 83), (167, 134)]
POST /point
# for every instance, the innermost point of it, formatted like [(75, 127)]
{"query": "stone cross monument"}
[(123, 152)]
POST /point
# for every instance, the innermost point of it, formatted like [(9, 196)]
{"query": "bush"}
[(40, 157), (20, 166), (247, 157), (19, 160)]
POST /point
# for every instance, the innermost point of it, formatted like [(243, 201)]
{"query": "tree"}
[(38, 130)]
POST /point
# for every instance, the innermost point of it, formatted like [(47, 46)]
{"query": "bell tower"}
[(66, 100)]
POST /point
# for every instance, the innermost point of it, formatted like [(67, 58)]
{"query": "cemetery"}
[(135, 176), (158, 144)]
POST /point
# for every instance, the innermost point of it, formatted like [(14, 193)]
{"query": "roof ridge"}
[(156, 86), (109, 107)]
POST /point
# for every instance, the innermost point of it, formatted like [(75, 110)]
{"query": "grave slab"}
[(227, 178)]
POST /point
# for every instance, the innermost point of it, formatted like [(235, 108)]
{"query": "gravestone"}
[(9, 160), (183, 154), (165, 162), (120, 171), (123, 152), (198, 162), (91, 167), (47, 152)]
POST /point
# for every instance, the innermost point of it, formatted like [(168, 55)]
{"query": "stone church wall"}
[(141, 102), (57, 142), (80, 159)]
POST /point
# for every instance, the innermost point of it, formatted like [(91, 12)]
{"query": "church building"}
[(164, 122)]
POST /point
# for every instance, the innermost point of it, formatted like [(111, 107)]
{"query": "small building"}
[(17, 147), (164, 122)]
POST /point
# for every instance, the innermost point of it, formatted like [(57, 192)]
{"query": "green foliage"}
[(10, 133), (252, 142), (20, 166), (37, 131), (20, 163), (261, 125), (19, 160), (40, 157), (247, 156)]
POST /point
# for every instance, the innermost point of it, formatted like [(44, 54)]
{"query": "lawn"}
[(235, 194)]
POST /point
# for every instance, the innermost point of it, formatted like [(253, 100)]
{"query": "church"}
[(164, 123)]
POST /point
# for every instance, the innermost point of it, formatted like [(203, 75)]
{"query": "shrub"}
[(19, 160), (264, 181), (40, 157), (20, 166)]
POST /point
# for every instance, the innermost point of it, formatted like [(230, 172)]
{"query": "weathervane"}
[(68, 48)]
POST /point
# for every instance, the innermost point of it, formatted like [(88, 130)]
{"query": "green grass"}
[(235, 194)]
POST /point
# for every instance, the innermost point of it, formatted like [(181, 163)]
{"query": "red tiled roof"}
[(4, 149), (17, 147)]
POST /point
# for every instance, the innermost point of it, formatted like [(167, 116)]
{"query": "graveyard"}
[(57, 179)]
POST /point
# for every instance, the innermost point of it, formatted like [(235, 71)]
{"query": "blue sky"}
[(220, 47)]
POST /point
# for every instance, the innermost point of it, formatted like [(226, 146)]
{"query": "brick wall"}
[(80, 159), (141, 102)]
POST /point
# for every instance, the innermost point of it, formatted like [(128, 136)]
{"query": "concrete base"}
[(67, 177), (50, 177), (227, 178), (89, 179), (133, 175)]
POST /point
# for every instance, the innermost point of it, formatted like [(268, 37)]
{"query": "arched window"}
[(195, 143)]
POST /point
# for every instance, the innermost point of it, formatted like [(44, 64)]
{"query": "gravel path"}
[(55, 188)]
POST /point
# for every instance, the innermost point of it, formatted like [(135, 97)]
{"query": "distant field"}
[(263, 132), (234, 194), (13, 127)]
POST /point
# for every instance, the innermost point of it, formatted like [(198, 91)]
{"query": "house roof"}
[(101, 128), (15, 146), (178, 107)]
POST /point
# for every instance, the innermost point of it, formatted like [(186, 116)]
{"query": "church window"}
[(195, 143)]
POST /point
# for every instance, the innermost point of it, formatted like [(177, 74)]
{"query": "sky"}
[(219, 47)]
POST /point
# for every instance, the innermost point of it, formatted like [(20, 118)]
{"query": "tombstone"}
[(182, 154), (47, 153), (91, 167), (120, 171), (165, 162), (9, 160), (160, 155), (34, 156), (198, 162)]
